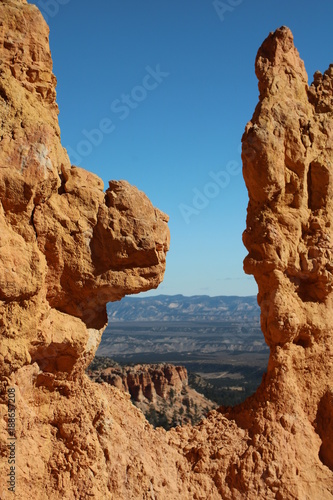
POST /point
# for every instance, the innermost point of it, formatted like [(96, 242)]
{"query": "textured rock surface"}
[(147, 381), (282, 441), (66, 248)]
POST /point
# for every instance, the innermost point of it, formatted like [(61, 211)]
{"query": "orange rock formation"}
[(147, 381), (66, 248), (161, 391)]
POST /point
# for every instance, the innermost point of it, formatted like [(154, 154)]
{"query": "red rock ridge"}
[(147, 381)]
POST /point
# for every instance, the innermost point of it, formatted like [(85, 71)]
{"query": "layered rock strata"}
[(147, 381), (160, 391), (67, 247)]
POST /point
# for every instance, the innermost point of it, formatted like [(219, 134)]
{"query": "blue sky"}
[(158, 92)]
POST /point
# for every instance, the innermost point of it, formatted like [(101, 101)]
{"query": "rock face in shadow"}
[(67, 247)]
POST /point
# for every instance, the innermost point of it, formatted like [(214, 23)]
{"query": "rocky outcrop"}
[(67, 247), (281, 447), (147, 381), (160, 391), (287, 157)]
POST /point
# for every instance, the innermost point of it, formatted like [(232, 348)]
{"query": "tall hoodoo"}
[(288, 169), (287, 158), (281, 444)]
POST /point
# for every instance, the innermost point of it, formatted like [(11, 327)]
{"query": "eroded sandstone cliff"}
[(67, 247), (161, 391), (147, 381)]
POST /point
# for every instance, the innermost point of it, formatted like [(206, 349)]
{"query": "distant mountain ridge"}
[(182, 308)]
